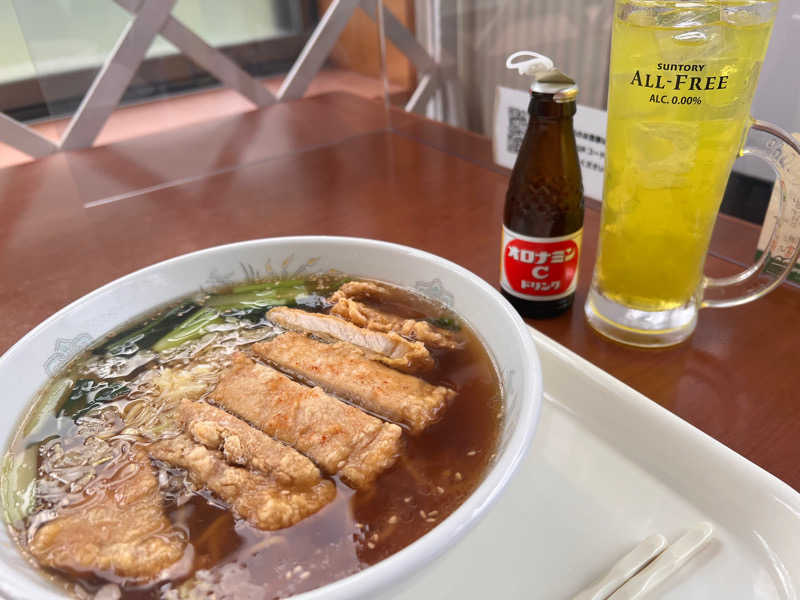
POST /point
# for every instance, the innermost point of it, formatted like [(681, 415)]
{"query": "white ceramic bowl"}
[(40, 354)]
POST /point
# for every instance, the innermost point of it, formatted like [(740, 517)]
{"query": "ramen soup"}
[(255, 442)]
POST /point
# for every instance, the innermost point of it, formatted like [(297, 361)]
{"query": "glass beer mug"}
[(682, 78)]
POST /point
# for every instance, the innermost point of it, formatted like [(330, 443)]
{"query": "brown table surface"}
[(340, 165)]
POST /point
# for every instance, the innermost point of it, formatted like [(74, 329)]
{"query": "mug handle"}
[(748, 285)]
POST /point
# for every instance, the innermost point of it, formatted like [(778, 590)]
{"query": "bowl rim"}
[(414, 557)]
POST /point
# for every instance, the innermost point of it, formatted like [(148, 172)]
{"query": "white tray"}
[(609, 467)]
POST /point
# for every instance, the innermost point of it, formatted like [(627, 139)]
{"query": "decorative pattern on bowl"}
[(64, 350)]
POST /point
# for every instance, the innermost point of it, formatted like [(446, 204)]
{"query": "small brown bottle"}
[(543, 215)]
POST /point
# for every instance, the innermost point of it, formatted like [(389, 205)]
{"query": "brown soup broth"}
[(435, 473)]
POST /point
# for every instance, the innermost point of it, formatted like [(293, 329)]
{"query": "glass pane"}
[(224, 24), (146, 146), (68, 42), (15, 62), (473, 38)]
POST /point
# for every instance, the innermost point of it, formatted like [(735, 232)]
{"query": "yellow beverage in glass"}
[(682, 78)]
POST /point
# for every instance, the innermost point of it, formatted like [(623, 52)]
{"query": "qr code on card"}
[(517, 124)]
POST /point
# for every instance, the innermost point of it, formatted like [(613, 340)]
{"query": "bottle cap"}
[(546, 78)]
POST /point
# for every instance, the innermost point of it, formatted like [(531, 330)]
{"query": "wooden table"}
[(337, 164)]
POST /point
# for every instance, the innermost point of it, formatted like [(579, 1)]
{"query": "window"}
[(50, 50)]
